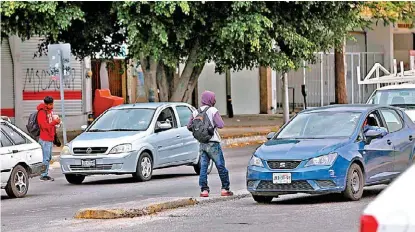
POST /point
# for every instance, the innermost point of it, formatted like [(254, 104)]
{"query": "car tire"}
[(74, 179), (354, 183), (18, 183), (197, 167), (144, 169), (262, 199)]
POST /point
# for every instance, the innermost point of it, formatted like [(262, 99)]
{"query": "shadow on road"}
[(326, 198), (131, 180)]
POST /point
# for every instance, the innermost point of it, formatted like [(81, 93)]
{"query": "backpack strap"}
[(203, 111)]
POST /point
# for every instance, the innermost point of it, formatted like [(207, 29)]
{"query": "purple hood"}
[(208, 98)]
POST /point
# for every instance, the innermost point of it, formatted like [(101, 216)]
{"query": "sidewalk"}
[(246, 128)]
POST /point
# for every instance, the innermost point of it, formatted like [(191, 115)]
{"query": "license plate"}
[(88, 163), (281, 178)]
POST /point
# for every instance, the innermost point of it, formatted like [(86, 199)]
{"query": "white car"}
[(402, 96), (20, 159), (394, 209)]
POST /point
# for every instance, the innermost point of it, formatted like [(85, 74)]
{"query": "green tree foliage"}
[(234, 35)]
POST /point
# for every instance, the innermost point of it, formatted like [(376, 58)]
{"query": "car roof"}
[(149, 105), (344, 108), (401, 86)]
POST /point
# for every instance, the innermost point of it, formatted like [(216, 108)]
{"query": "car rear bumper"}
[(105, 164), (36, 169), (312, 180)]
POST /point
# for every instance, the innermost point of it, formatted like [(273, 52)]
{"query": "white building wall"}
[(32, 81), (380, 39), (209, 80), (245, 91)]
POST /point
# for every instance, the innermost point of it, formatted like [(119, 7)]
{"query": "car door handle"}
[(411, 138), (15, 151), (178, 136), (389, 142)]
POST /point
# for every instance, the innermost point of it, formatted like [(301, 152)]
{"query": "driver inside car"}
[(371, 124)]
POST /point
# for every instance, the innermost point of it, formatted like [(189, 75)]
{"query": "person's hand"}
[(58, 121)]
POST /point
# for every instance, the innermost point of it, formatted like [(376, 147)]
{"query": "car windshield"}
[(317, 125), (123, 120), (395, 97)]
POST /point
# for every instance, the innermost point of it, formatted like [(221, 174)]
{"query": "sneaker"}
[(46, 178), (204, 193), (226, 193)]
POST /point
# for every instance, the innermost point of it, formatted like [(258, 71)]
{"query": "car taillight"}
[(368, 223)]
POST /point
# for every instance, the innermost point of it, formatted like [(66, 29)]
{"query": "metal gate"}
[(319, 80)]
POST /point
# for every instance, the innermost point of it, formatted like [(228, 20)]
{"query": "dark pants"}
[(212, 151)]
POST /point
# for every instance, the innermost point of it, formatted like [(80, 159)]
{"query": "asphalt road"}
[(50, 206), (58, 200)]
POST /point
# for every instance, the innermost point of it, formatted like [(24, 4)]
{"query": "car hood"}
[(110, 139), (298, 149)]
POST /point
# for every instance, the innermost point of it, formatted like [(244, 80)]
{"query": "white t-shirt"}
[(210, 113)]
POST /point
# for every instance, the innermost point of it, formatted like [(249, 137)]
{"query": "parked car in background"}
[(326, 150), (402, 96), (393, 210), (21, 158), (133, 139)]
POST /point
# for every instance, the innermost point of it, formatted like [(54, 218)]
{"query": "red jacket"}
[(46, 123)]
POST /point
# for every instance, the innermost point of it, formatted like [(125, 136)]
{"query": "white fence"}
[(319, 80)]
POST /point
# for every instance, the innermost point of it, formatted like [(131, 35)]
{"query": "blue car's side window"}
[(392, 119)]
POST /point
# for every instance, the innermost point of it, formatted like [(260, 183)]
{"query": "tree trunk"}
[(187, 97), (149, 66), (182, 85), (163, 83), (340, 80)]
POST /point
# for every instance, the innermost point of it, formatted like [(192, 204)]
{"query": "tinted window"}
[(395, 97), (16, 137), (5, 142), (184, 115), (167, 115), (324, 124), (124, 119), (393, 120)]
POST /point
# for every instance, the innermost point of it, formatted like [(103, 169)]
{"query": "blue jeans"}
[(47, 154), (212, 151)]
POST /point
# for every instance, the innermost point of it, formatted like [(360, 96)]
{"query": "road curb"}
[(151, 209)]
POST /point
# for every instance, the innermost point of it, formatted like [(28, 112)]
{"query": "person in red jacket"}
[(47, 126)]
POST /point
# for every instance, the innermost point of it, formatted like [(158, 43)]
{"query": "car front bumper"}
[(123, 163), (312, 180)]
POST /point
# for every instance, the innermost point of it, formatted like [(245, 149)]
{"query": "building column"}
[(15, 43), (265, 90)]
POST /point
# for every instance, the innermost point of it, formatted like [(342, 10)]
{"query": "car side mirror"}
[(83, 127), (371, 135), (161, 126), (270, 135)]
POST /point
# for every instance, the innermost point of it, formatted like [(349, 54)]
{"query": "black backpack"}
[(32, 125), (201, 127)]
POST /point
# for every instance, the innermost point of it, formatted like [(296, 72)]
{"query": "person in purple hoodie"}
[(212, 149)]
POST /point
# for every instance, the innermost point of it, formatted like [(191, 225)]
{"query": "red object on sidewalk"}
[(104, 100)]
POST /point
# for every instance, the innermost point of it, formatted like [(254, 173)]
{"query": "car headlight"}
[(255, 161), (324, 160), (123, 148), (66, 150)]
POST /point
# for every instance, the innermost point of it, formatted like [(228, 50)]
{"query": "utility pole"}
[(285, 104)]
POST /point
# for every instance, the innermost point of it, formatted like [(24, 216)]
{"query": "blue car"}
[(333, 149)]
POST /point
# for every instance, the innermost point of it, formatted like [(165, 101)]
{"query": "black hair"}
[(48, 100)]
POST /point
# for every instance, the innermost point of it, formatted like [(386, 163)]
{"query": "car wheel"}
[(18, 183), (198, 166), (262, 199), (354, 183), (74, 179), (144, 169)]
